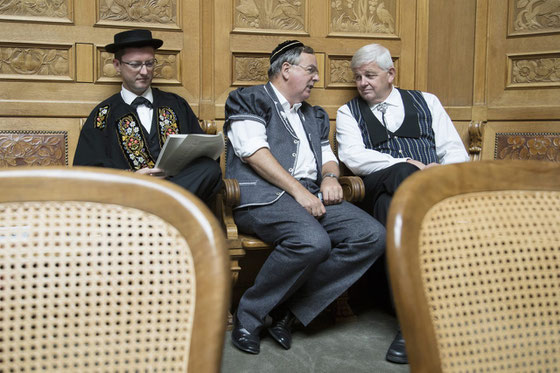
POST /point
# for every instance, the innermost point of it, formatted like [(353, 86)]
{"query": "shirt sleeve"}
[(449, 146), (352, 150), (246, 137)]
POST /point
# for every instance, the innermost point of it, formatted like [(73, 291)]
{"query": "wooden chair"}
[(474, 260), (104, 270), (240, 244)]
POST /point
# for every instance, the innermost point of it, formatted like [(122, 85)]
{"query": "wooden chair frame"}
[(413, 200), (189, 216)]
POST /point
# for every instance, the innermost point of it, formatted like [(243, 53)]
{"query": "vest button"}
[(293, 155), (296, 141), (290, 169)]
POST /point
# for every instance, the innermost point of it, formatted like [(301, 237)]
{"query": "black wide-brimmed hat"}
[(133, 38)]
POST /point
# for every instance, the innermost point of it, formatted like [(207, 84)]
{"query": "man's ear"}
[(391, 72), (117, 65), (286, 70)]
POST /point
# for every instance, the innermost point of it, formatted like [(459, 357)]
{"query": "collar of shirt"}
[(394, 99), (128, 96), (285, 104)]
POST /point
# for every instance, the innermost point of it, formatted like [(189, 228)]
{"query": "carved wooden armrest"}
[(208, 126), (353, 188), (227, 198)]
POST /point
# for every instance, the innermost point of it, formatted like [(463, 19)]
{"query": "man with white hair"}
[(385, 134)]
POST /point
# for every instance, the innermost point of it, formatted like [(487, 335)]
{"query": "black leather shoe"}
[(281, 329), (397, 350), (245, 341)]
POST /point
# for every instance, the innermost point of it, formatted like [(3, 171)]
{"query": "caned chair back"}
[(108, 271), (474, 258)]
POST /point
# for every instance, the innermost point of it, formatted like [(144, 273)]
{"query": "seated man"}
[(127, 130), (290, 196), (385, 134)]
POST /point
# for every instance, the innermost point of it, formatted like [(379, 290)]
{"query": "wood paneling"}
[(494, 62)]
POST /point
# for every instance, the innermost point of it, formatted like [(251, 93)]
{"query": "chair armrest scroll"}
[(353, 188)]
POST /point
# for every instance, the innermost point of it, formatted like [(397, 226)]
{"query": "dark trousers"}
[(202, 177), (313, 261), (380, 187)]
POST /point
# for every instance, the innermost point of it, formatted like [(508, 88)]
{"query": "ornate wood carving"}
[(250, 70), (166, 71), (37, 10), (535, 146), (30, 62), (286, 16), (534, 16), (33, 148), (371, 17), (340, 73), (535, 71), (475, 140), (159, 13)]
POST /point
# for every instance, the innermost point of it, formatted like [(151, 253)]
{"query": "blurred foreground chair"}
[(474, 259), (108, 271)]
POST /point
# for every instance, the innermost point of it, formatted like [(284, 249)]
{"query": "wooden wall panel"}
[(523, 59), (335, 29), (490, 62)]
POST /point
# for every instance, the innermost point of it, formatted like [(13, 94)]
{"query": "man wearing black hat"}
[(127, 130), (279, 151)]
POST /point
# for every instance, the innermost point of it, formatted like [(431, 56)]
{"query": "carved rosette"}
[(36, 10), (34, 62), (275, 15), (535, 70), (138, 12), (166, 70), (250, 70), (33, 148), (528, 146), (363, 16), (535, 16)]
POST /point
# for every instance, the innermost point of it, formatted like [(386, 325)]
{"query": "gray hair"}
[(291, 57), (372, 53)]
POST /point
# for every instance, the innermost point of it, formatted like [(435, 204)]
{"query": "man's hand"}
[(331, 190), (156, 172), (418, 164), (312, 204)]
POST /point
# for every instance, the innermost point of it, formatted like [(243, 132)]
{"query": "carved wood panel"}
[(33, 148), (28, 62), (139, 13), (523, 141), (370, 18), (334, 28), (533, 17), (278, 16), (38, 141), (55, 11), (524, 36)]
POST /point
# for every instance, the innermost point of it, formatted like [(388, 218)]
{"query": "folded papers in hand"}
[(179, 150)]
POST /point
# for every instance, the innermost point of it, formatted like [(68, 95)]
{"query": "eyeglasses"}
[(309, 69), (135, 65)]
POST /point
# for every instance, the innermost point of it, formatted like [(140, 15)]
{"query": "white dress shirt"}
[(145, 113), (362, 161), (248, 136)]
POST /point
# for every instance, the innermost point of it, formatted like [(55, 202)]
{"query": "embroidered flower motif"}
[(101, 120), (167, 123), (133, 144)]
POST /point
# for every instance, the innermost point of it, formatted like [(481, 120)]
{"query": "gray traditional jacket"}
[(260, 104)]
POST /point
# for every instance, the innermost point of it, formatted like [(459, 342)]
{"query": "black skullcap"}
[(283, 48)]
